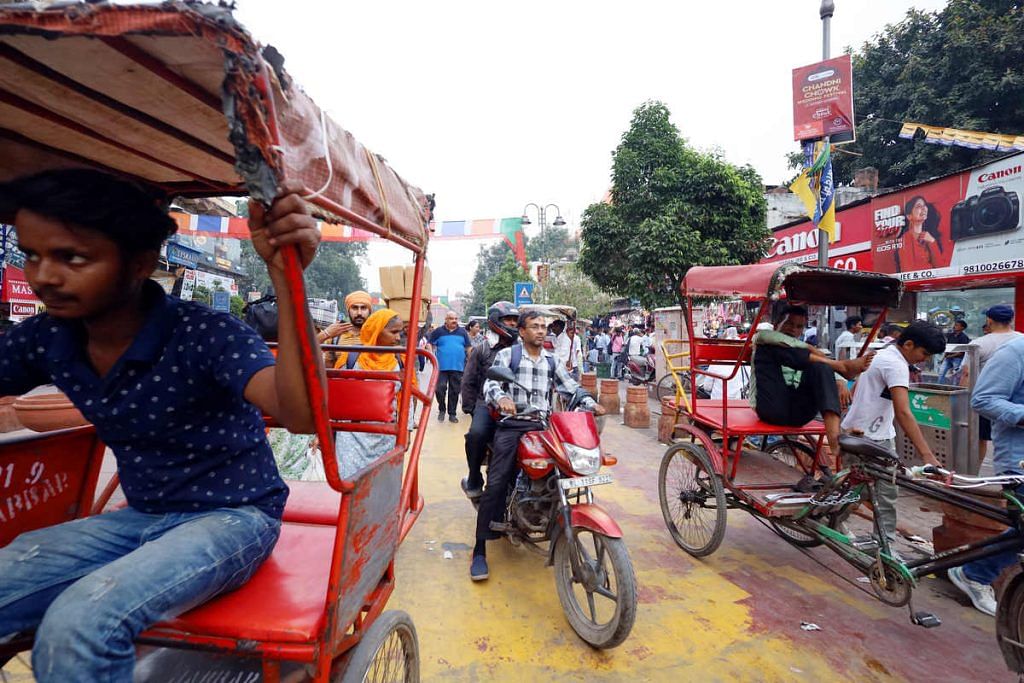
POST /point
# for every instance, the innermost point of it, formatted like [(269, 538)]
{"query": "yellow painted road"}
[(732, 616)]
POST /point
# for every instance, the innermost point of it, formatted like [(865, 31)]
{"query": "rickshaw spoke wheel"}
[(599, 600), (692, 499), (793, 453), (895, 591), (387, 653)]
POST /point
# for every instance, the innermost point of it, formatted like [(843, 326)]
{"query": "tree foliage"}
[(961, 67), (553, 245), (672, 207), (568, 285), (490, 260), (332, 274), (502, 284)]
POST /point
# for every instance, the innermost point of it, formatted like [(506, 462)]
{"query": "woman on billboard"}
[(921, 240)]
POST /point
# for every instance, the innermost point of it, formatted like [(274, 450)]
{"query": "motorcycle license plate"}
[(582, 482)]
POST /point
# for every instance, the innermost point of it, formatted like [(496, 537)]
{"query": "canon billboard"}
[(851, 250), (963, 225)]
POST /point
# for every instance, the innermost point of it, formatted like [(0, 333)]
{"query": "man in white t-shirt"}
[(1000, 330), (882, 397)]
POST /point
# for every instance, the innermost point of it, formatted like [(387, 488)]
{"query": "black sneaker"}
[(472, 492), (453, 419), (440, 417), (808, 485)]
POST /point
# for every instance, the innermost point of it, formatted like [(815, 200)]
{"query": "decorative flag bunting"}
[(972, 139), (238, 228), (512, 232)]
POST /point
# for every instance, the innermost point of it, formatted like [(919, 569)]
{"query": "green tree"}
[(332, 274), (553, 245), (672, 207), (202, 295), (490, 259), (568, 285), (961, 67), (502, 284), (237, 304)]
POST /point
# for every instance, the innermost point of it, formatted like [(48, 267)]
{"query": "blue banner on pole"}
[(222, 301)]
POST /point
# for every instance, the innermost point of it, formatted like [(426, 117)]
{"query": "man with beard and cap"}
[(358, 306)]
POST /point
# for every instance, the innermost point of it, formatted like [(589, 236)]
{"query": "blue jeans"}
[(92, 585), (989, 569), (949, 365)]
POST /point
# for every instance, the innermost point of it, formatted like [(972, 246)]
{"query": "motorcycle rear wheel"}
[(610, 579)]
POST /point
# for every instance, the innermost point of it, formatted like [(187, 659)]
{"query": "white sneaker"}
[(981, 594)]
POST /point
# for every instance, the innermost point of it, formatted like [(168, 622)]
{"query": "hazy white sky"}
[(492, 105)]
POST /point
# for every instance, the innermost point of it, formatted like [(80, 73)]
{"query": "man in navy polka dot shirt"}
[(176, 390)]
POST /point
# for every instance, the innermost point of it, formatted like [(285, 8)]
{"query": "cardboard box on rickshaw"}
[(396, 289)]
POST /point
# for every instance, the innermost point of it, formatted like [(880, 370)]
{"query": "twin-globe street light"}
[(543, 220)]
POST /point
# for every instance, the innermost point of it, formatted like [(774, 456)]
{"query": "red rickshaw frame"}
[(762, 283), (346, 184)]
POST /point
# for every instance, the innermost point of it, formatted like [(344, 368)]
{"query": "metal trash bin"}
[(943, 412), (604, 370)]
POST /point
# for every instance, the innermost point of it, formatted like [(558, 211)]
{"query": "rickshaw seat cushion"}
[(283, 602), (866, 448), (743, 421), (312, 502), (363, 400)]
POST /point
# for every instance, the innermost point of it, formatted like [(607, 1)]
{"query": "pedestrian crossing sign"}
[(523, 293)]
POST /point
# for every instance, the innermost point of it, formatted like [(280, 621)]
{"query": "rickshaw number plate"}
[(582, 482)]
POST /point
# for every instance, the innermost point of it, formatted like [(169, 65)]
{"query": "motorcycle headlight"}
[(584, 461)]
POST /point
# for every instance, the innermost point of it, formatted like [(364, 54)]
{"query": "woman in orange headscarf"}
[(356, 450)]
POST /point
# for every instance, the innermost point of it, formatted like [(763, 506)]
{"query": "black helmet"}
[(497, 311)]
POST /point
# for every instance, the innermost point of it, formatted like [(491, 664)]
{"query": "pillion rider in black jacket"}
[(502, 322)]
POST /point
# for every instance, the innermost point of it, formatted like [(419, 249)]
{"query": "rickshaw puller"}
[(792, 381), (175, 390), (534, 373), (502, 324)]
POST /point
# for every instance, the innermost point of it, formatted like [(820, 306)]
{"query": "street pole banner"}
[(823, 101)]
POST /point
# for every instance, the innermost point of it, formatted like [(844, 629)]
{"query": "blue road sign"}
[(523, 293), (222, 301)]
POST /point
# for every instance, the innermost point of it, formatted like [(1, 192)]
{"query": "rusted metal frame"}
[(874, 331), (308, 347), (325, 641), (409, 374), (410, 484), (292, 652), (92, 477), (11, 54), (367, 427), (158, 68), (376, 602), (710, 448), (106, 494), (349, 216), (53, 117)]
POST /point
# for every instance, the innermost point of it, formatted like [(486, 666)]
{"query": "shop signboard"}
[(188, 284), (23, 310), (823, 100), (964, 225), (16, 287), (221, 301), (850, 250), (180, 255)]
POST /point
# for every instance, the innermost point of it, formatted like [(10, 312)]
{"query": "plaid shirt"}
[(537, 377)]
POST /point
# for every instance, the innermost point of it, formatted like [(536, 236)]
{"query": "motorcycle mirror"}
[(500, 374)]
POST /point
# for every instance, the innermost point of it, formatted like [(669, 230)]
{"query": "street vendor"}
[(176, 390), (792, 381)]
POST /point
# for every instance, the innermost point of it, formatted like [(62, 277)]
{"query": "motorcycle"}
[(637, 372), (552, 503)]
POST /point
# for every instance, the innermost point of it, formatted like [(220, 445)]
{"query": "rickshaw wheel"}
[(791, 453), (666, 387), (692, 499), (896, 591), (1010, 621), (792, 532), (388, 651)]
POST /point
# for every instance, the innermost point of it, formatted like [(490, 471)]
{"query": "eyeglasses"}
[(536, 327)]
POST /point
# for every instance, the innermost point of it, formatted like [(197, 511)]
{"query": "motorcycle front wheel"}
[(600, 603)]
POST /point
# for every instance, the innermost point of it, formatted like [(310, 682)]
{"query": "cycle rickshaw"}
[(701, 477), (180, 97)]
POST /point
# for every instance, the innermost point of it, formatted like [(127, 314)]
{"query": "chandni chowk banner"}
[(967, 224)]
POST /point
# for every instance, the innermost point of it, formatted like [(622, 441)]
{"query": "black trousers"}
[(501, 474), (781, 404), (449, 384), (480, 433)]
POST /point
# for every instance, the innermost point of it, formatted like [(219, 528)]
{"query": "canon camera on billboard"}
[(967, 224)]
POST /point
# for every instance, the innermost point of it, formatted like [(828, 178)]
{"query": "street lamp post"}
[(827, 9), (543, 220)]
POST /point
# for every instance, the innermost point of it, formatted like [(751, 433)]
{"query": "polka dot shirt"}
[(172, 407)]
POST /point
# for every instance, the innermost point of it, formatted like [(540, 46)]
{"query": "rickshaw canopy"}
[(556, 311), (806, 284), (179, 96)]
